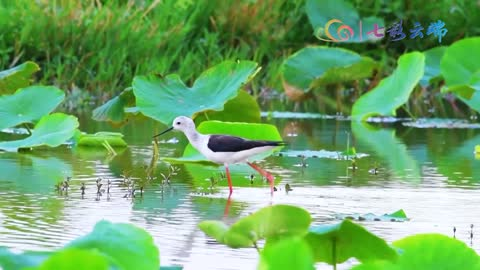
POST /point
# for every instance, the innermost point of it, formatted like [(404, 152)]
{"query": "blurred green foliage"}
[(100, 46)]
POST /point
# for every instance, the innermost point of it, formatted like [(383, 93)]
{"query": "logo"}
[(345, 32)]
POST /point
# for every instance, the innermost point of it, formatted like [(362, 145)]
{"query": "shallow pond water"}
[(432, 174)]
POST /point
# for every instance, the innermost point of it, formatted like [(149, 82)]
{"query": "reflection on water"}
[(430, 173)]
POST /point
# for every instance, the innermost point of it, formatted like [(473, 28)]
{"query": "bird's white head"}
[(184, 124)]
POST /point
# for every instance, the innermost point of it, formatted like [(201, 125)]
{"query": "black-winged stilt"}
[(224, 149)]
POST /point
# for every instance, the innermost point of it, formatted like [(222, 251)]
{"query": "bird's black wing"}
[(224, 143)]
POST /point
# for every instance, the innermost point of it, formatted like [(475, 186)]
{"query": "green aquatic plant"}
[(17, 77), (109, 245), (250, 110), (292, 253), (34, 105), (318, 66), (291, 243), (51, 130), (337, 243), (433, 59), (272, 222), (114, 110), (428, 252), (113, 139), (461, 70), (165, 97), (28, 104), (393, 91)]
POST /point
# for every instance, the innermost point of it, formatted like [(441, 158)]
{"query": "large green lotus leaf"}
[(393, 91), (435, 251), (433, 58), (429, 252), (114, 139), (253, 131), (460, 67), (17, 77), (272, 222), (164, 98), (243, 108), (128, 246), (320, 65), (28, 104), (348, 25), (113, 111), (387, 146), (337, 243), (75, 259), (52, 130), (290, 253)]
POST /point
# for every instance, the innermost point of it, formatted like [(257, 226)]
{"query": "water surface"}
[(430, 173)]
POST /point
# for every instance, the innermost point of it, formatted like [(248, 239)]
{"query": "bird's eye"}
[(178, 123)]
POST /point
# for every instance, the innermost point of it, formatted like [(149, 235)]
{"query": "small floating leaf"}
[(17, 77), (114, 139), (164, 98), (477, 149), (291, 253), (393, 91), (28, 104), (349, 240), (398, 214), (52, 130)]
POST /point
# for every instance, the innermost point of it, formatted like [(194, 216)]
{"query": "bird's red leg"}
[(269, 177), (229, 179), (227, 206)]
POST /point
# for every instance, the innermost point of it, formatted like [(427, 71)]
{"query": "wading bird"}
[(224, 149)]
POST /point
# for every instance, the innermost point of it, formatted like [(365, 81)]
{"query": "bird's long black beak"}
[(163, 132)]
